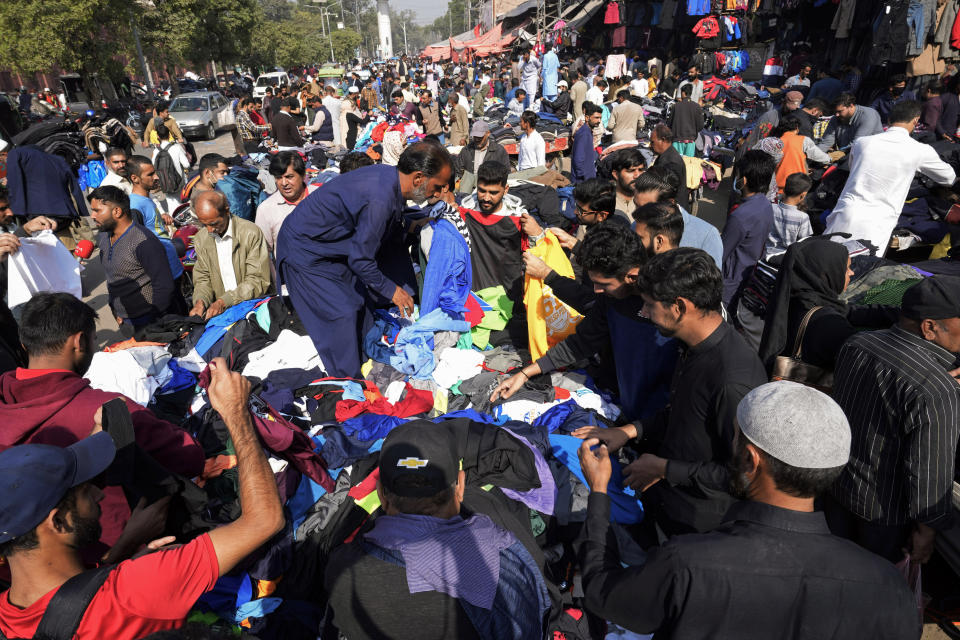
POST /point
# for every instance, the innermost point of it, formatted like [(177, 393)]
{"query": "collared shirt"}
[(904, 412), (272, 212), (881, 170), (789, 225), (695, 432), (744, 237), (766, 572), (116, 180), (864, 122), (225, 257)]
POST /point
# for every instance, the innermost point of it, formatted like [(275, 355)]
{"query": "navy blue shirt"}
[(583, 159), (743, 238), (346, 220)]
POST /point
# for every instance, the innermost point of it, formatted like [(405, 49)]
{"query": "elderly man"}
[(896, 490), (479, 149), (116, 161), (342, 249), (772, 570), (233, 263)]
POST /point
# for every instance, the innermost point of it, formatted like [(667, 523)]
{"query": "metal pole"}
[(143, 61), (330, 29)]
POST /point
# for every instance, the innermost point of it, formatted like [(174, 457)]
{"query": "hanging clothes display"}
[(612, 13)]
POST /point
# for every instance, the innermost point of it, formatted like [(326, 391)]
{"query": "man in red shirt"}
[(49, 509), (50, 402)]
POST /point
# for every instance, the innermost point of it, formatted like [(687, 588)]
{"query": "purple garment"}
[(458, 557), (544, 497)]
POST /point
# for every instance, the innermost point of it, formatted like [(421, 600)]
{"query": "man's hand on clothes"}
[(119, 320), (920, 544), (145, 524), (167, 220), (198, 308), (566, 240), (9, 245), (97, 420), (403, 301), (595, 464), (530, 226), (534, 266), (39, 224), (510, 386), (644, 472), (215, 309), (228, 391), (614, 437), (836, 155)]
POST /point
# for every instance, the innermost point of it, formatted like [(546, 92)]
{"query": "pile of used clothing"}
[(322, 435)]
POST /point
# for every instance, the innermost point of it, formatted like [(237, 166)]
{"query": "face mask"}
[(897, 91)]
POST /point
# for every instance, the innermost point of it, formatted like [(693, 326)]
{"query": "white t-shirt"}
[(639, 87), (595, 95), (532, 151)]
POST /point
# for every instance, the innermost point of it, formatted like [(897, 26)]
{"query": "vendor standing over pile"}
[(335, 249)]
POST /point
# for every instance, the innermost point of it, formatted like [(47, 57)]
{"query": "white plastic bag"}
[(41, 264)]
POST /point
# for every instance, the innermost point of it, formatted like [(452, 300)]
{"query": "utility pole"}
[(143, 61), (404, 25)]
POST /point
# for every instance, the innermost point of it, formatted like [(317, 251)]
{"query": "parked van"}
[(275, 79)]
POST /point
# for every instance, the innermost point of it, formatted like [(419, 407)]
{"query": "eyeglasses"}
[(581, 212)]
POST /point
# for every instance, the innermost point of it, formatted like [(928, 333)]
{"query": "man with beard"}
[(659, 226), (140, 286), (626, 166), (687, 445), (772, 570), (50, 511), (583, 154), (895, 94), (643, 360), (49, 401), (342, 250), (116, 162), (849, 122)]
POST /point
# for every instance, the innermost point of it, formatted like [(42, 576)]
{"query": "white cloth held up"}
[(41, 264)]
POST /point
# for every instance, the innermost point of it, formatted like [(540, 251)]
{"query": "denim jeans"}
[(915, 18)]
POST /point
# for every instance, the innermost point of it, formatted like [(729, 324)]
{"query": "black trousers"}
[(887, 541)]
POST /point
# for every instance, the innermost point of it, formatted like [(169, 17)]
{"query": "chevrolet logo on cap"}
[(412, 463)]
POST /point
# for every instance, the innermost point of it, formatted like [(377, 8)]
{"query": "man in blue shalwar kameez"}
[(341, 251)]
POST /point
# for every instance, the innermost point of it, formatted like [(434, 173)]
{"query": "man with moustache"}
[(342, 251)]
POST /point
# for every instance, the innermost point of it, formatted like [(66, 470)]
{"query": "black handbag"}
[(793, 367)]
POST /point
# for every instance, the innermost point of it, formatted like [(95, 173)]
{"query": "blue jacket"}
[(583, 159), (349, 220), (42, 184), (448, 276)]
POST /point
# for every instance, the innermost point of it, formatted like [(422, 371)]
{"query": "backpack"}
[(68, 605), (243, 191), (169, 177)]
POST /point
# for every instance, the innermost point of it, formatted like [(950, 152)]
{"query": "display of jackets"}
[(707, 28), (448, 276)]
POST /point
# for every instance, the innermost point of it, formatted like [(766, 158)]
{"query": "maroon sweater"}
[(56, 407)]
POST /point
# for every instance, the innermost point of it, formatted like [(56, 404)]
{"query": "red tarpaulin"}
[(492, 41)]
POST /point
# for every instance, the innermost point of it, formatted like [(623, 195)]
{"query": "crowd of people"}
[(426, 387)]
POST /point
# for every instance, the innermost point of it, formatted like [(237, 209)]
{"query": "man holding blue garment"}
[(342, 249)]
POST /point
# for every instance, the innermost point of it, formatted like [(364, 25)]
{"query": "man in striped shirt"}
[(900, 391)]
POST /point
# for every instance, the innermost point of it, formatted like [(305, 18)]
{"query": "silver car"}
[(202, 113)]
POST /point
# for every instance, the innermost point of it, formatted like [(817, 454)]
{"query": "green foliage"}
[(345, 43), (87, 36)]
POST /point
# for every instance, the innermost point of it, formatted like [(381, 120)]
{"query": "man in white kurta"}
[(529, 77), (882, 167)]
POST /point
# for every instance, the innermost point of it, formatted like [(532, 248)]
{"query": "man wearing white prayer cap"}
[(772, 569)]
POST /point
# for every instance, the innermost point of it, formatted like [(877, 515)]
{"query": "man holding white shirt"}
[(882, 167)]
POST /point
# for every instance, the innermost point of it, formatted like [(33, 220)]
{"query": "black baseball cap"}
[(419, 459), (35, 477), (933, 298)]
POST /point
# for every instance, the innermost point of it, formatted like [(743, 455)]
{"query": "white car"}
[(275, 79), (202, 113)]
